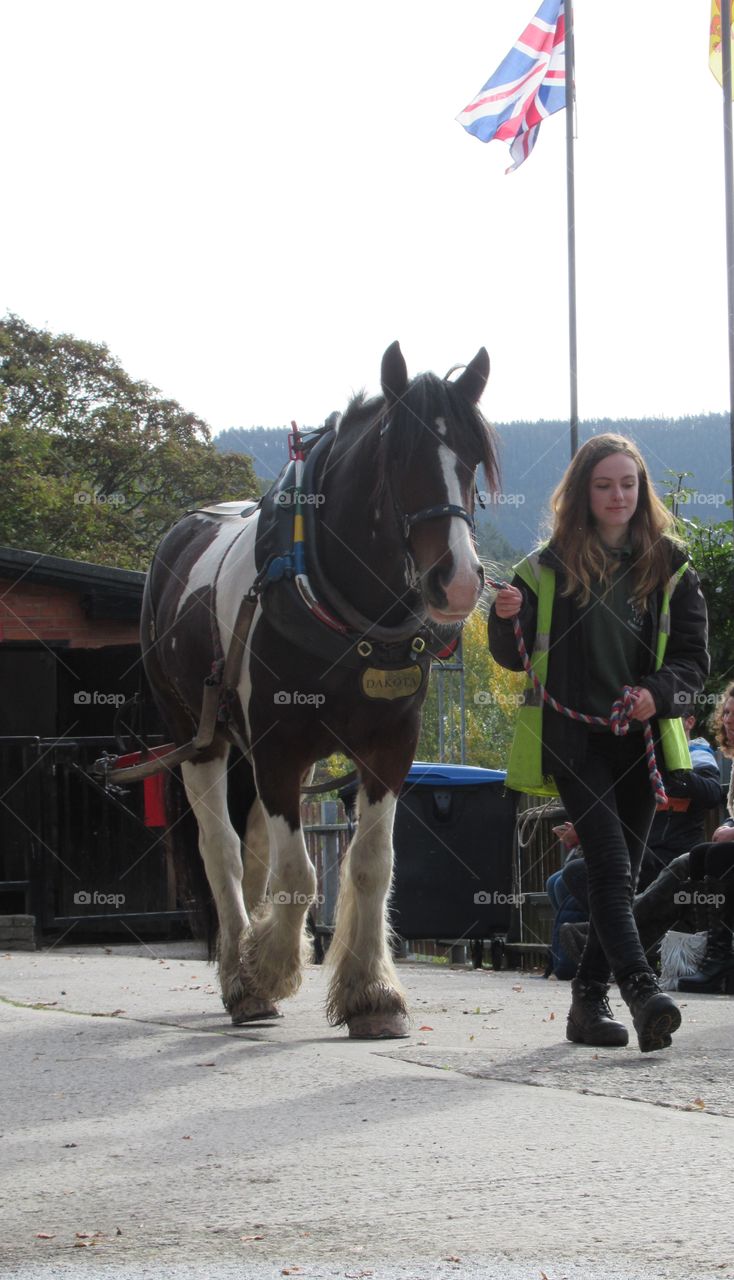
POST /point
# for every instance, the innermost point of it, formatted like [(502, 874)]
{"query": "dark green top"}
[(612, 624)]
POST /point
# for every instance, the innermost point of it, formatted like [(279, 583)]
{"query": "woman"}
[(713, 864), (610, 601)]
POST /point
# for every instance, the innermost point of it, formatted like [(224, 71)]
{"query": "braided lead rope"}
[(619, 717)]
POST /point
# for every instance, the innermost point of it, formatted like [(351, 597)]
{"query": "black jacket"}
[(685, 667)]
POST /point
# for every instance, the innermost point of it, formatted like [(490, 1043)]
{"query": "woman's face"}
[(727, 721), (614, 487)]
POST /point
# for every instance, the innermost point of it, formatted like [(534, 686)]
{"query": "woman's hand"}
[(508, 602), (644, 708), (723, 833)]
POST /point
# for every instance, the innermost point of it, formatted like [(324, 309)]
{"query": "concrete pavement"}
[(144, 1136)]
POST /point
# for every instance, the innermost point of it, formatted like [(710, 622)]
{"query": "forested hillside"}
[(533, 458)]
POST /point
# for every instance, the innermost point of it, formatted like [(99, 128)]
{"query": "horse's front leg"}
[(276, 946), (364, 991), (220, 848)]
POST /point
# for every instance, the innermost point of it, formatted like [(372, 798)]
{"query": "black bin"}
[(454, 828)]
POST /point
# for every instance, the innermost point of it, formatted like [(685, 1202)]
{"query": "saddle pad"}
[(238, 510)]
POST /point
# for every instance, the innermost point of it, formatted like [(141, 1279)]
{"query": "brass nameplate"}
[(401, 682)]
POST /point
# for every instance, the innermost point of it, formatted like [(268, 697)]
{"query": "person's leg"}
[(555, 889), (717, 894), (611, 806)]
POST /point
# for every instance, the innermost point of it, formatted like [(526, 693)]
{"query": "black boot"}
[(590, 1019), (718, 962), (654, 1014)]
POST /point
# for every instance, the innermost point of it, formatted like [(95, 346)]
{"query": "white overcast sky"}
[(247, 201)]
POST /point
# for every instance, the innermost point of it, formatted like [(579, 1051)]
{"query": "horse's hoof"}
[(378, 1026), (253, 1009)]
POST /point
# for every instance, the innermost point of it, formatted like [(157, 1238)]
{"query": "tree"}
[(492, 699), (711, 549), (96, 465)]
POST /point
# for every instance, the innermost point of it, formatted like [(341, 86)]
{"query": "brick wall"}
[(31, 611)]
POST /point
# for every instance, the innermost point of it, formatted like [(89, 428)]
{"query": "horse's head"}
[(433, 440)]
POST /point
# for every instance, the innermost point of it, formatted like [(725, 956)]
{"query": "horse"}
[(346, 616)]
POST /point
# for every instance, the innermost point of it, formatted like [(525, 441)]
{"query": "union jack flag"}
[(528, 86)]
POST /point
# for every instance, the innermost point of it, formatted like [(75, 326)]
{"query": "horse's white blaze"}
[(359, 956), (462, 592), (441, 426)]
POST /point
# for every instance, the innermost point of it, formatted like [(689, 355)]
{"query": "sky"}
[(247, 202)]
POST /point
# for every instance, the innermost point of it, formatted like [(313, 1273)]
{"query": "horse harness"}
[(291, 604)]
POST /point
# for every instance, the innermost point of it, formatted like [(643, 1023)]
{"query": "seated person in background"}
[(678, 827), (711, 866), (566, 909)]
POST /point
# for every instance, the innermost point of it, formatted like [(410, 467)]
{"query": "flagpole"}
[(571, 225), (729, 188)]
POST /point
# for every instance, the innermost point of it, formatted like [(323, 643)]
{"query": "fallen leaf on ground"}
[(425, 1028), (699, 1102), (246, 1239), (517, 988), (44, 1235)]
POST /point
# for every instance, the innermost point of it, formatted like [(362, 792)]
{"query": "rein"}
[(618, 719)]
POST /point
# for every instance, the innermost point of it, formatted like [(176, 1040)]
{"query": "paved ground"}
[(143, 1136)]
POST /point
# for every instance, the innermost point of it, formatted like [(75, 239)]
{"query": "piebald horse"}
[(358, 573)]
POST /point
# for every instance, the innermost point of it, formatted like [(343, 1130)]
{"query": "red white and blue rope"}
[(619, 717)]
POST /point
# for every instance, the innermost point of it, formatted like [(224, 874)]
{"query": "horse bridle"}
[(406, 520)]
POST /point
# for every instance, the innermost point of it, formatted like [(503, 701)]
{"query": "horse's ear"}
[(394, 373), (474, 378)]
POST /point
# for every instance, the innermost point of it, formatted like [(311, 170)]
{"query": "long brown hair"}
[(717, 727), (574, 535)]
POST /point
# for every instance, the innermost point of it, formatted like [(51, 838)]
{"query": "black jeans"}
[(611, 804)]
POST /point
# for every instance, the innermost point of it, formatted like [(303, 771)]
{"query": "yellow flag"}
[(715, 41)]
